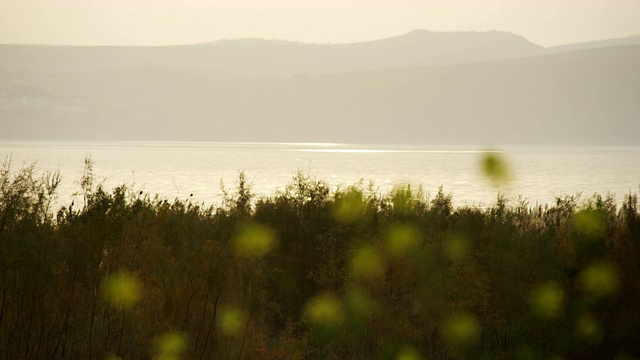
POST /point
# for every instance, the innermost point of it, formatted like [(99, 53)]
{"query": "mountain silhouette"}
[(422, 87), (269, 58)]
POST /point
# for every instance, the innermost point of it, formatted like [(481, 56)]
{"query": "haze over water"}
[(179, 169)]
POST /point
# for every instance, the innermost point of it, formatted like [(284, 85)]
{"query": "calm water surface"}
[(178, 169)]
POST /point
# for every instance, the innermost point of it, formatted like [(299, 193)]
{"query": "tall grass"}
[(311, 273)]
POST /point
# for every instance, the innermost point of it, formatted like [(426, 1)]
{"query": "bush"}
[(310, 273)]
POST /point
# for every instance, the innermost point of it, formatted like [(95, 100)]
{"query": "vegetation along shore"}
[(313, 273)]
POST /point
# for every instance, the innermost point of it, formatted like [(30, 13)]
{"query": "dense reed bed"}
[(311, 273)]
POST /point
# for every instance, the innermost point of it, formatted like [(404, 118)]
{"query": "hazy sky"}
[(160, 22)]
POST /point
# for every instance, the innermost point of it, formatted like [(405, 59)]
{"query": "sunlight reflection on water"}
[(178, 169)]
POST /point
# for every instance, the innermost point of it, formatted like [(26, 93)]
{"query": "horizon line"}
[(298, 42)]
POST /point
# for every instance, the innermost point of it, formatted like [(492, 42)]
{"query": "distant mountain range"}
[(459, 88)]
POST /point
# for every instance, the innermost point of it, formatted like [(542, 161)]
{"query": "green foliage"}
[(255, 241), (599, 279), (349, 205), (460, 329), (122, 290), (324, 311), (366, 263), (495, 168), (360, 306), (312, 273), (408, 353), (402, 239), (456, 247), (232, 321), (170, 346), (547, 301), (588, 329), (590, 223)]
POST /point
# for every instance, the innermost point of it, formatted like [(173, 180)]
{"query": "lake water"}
[(179, 169)]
